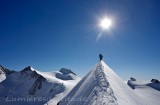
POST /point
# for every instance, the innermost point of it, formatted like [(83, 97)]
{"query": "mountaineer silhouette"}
[(100, 57)]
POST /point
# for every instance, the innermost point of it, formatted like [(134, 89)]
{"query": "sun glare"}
[(105, 23)]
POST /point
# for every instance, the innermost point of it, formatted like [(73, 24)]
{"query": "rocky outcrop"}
[(66, 71), (31, 73), (6, 71), (155, 81), (1, 69), (37, 84), (27, 69), (132, 79), (65, 74)]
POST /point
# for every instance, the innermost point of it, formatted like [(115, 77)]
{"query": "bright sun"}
[(106, 23)]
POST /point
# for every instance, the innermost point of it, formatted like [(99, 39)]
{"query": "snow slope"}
[(147, 91), (30, 86), (101, 86)]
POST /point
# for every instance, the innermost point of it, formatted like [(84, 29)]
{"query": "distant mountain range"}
[(101, 86), (32, 87)]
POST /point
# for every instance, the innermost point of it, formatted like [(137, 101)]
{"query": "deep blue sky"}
[(50, 34)]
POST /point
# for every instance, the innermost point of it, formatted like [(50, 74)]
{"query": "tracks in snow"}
[(102, 94)]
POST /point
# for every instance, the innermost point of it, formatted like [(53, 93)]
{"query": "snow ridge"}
[(93, 89), (102, 94)]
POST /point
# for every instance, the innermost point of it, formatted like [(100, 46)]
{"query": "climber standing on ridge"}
[(100, 57)]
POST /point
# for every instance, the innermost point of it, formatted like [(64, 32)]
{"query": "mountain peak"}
[(28, 68), (94, 87), (101, 86)]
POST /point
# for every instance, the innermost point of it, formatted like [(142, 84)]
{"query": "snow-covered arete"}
[(101, 86)]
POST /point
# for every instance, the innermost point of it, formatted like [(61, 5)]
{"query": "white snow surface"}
[(32, 87), (147, 91), (102, 86)]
